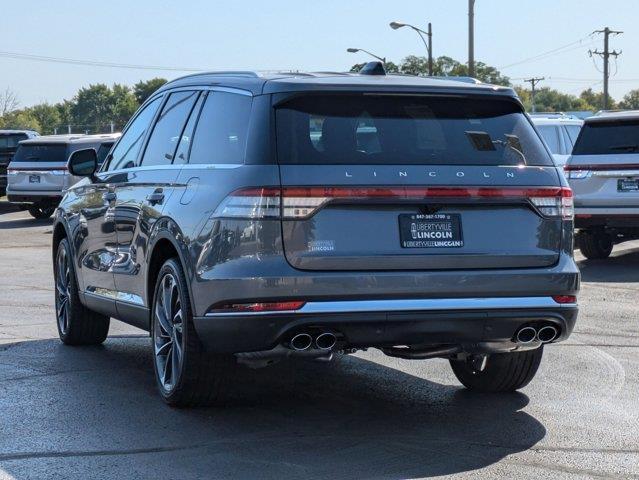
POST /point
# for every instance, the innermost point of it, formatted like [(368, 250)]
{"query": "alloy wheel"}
[(168, 332), (62, 286)]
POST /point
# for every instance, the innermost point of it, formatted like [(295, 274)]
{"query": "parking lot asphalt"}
[(92, 412)]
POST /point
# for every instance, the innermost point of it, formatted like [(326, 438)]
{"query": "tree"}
[(47, 116), (630, 100), (596, 100), (19, 120), (444, 66), (124, 104), (8, 101), (145, 88), (92, 106), (551, 100)]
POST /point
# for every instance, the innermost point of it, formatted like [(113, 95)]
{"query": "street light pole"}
[(355, 50), (427, 43), (471, 38)]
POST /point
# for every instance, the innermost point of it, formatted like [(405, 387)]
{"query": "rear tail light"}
[(292, 203), (558, 205), (259, 203), (260, 307), (563, 299)]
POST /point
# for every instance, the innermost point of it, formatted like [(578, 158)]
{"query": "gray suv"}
[(603, 172), (245, 218)]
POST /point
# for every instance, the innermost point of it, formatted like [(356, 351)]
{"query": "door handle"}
[(109, 197), (155, 197)]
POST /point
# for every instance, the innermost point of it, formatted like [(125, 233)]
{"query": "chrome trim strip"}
[(409, 305), (187, 166), (615, 173), (115, 295)]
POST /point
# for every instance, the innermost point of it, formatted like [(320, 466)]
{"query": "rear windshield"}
[(608, 138), (41, 153), (404, 130), (10, 142)]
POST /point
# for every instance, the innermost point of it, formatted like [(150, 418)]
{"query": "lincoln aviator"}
[(245, 218)]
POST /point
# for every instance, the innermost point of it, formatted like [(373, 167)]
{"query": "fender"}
[(167, 229)]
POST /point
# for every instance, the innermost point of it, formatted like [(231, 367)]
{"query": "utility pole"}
[(533, 83), (606, 54), (430, 49), (471, 38)]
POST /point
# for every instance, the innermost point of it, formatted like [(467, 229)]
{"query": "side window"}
[(184, 147), (103, 150), (549, 133), (126, 152), (168, 129), (220, 135)]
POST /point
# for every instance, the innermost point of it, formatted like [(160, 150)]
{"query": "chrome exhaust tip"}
[(325, 341), (526, 335), (547, 334), (301, 341)]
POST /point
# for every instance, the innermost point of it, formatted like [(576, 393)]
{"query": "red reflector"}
[(583, 215), (565, 298), (423, 192), (262, 307)]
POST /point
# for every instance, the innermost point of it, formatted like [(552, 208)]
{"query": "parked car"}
[(8, 145), (245, 218), (603, 172), (560, 132), (38, 175)]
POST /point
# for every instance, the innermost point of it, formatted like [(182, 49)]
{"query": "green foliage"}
[(144, 88), (630, 101), (93, 109), (443, 66)]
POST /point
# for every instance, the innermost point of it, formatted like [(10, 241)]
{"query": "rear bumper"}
[(613, 217), (30, 197), (478, 324)]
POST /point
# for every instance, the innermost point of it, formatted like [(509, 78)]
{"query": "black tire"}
[(77, 325), (41, 212), (595, 245), (504, 372), (201, 377)]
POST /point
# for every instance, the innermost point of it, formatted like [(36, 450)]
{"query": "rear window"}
[(10, 142), (607, 138), (404, 130), (42, 153)]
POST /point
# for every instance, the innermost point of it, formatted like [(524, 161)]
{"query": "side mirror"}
[(83, 163)]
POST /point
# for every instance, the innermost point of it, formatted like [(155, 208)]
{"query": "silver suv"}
[(560, 132), (38, 174), (603, 172)]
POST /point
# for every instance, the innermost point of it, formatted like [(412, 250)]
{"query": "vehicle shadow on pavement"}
[(620, 267), (25, 223), (71, 410)]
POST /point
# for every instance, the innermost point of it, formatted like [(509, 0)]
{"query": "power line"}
[(92, 63), (554, 51)]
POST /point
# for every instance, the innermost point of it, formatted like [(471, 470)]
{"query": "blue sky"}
[(284, 34)]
